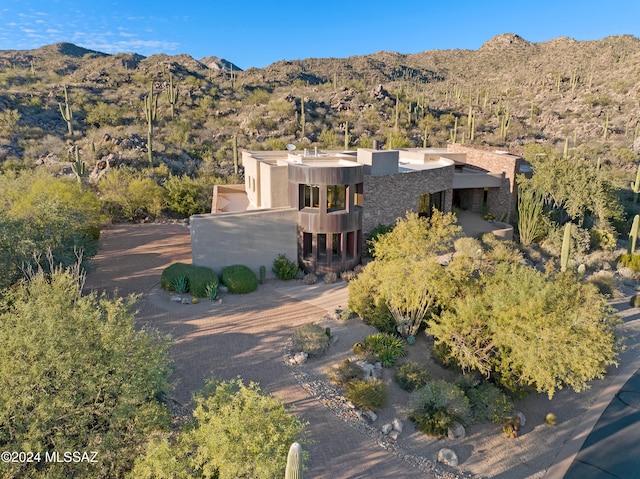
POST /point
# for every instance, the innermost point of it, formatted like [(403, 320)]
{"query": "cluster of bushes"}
[(383, 347), (183, 278), (436, 405), (284, 268), (239, 279)]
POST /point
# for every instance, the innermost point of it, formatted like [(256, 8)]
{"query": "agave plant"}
[(181, 284)]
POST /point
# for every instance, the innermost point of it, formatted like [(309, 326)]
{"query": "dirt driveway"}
[(243, 336)]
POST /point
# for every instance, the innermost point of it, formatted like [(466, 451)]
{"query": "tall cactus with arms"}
[(66, 112), (294, 462)]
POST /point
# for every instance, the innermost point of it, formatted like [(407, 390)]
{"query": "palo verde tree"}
[(526, 330), (237, 431), (76, 375)]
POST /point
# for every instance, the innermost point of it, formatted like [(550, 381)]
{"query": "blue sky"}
[(257, 33)]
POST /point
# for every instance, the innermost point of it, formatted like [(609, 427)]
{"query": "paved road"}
[(243, 336)]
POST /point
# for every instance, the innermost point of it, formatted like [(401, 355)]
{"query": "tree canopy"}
[(527, 329), (237, 431), (75, 375)]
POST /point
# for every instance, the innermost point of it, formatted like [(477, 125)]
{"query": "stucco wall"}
[(389, 197), (252, 238), (502, 202)]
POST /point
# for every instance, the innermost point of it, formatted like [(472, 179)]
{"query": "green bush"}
[(239, 279), (284, 269), (488, 402), (125, 190), (200, 277), (345, 372), (384, 347), (187, 196), (310, 338), (602, 239), (468, 246), (370, 395), (631, 261), (604, 281), (411, 376), (364, 301), (373, 235), (197, 279), (436, 406)]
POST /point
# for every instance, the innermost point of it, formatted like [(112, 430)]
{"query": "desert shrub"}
[(604, 281), (284, 268), (602, 239), (384, 347), (187, 196), (436, 406), (103, 114), (171, 273), (635, 301), (366, 303), (346, 314), (580, 241), (309, 278), (631, 261), (124, 191), (239, 279), (467, 246), (410, 376), (488, 402), (500, 251), (200, 277), (330, 278), (345, 372), (370, 395), (348, 275), (310, 338)]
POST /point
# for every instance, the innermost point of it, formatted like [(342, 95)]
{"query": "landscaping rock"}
[(300, 358), (394, 435), (175, 299), (223, 289), (448, 457), (387, 428), (523, 419), (371, 415), (456, 431), (185, 301), (397, 425)]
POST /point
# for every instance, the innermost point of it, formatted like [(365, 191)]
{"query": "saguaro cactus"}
[(302, 117), (635, 186), (235, 154), (294, 462), (633, 234), (78, 167), (566, 246), (150, 111), (66, 112), (347, 138), (172, 95)]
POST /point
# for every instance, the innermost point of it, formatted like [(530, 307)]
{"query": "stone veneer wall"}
[(502, 201), (388, 197)]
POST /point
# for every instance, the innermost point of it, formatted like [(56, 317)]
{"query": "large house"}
[(318, 206)]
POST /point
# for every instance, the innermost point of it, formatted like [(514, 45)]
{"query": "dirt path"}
[(242, 336)]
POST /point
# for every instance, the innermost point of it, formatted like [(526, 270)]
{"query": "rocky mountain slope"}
[(508, 93)]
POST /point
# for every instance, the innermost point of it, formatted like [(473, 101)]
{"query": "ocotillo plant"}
[(172, 95), (566, 246), (66, 112), (294, 462), (78, 167), (633, 234), (150, 110)]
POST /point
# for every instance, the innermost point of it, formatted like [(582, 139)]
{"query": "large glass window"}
[(336, 197), (358, 199), (322, 248), (307, 245), (310, 196), (336, 248)]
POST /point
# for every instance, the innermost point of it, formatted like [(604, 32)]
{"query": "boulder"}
[(387, 428), (397, 425), (300, 358), (456, 431), (523, 419), (394, 435), (176, 299), (372, 416), (448, 457)]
